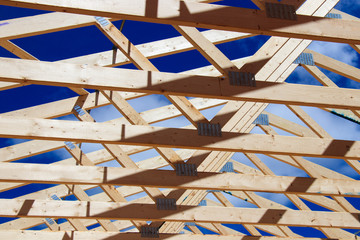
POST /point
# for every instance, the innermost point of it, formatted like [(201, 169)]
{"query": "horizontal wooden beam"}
[(183, 213), (93, 100), (173, 137), (63, 107), (81, 76), (91, 175), (77, 235), (203, 15)]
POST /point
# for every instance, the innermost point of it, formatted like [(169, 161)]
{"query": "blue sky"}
[(87, 40)]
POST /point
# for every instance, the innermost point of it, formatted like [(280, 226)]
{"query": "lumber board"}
[(150, 82), (173, 137), (208, 16), (122, 211), (91, 175), (41, 24), (76, 235)]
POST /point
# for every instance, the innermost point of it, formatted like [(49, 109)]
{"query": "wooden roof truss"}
[(109, 213)]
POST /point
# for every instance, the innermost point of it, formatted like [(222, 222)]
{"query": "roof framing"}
[(126, 195)]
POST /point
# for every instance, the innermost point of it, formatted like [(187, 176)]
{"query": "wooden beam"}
[(316, 171), (149, 212), (94, 100), (31, 148), (209, 16), (91, 175), (171, 137), (154, 49), (76, 235), (348, 17), (315, 127), (80, 76)]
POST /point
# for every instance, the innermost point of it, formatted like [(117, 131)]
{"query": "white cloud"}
[(339, 51)]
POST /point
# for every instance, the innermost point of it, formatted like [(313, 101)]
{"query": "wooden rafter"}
[(167, 179)]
